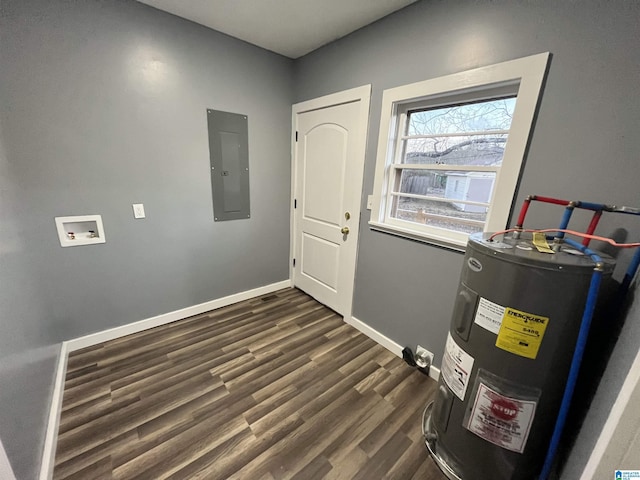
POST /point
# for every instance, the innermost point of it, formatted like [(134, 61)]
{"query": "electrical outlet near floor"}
[(423, 357)]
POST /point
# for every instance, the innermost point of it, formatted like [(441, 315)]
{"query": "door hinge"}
[(294, 262), (295, 203), (296, 136)]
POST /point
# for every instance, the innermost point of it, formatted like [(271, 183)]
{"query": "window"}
[(450, 151)]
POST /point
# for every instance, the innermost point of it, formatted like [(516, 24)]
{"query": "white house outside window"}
[(450, 151)]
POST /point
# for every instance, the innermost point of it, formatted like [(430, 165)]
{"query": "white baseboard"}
[(375, 335), (139, 326), (49, 453), (386, 342)]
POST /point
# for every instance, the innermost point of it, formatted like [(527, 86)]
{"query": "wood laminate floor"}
[(274, 387)]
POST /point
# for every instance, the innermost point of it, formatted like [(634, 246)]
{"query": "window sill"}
[(418, 236)]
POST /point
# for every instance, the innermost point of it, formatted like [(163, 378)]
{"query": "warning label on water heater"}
[(521, 333), (501, 420), (456, 367)]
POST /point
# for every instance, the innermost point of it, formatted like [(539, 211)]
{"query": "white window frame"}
[(523, 76)]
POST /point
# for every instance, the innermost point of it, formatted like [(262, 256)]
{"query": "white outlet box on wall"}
[(138, 210), (80, 230)]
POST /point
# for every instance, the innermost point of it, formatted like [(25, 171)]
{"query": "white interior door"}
[(328, 164)]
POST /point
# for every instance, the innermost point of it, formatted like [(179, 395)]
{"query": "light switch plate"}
[(138, 210), (369, 202)]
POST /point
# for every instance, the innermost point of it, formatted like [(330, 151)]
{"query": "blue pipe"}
[(564, 223), (587, 316), (591, 206), (587, 251)]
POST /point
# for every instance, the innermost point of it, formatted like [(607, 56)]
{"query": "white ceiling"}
[(290, 27)]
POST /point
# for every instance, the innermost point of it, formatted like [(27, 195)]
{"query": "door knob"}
[(344, 230)]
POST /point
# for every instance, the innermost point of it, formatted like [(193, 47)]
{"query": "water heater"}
[(508, 353)]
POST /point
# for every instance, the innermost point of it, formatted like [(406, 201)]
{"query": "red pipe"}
[(556, 201), (592, 227), (527, 202), (523, 212)]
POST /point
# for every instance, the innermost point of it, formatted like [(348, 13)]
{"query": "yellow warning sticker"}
[(521, 333), (540, 242)]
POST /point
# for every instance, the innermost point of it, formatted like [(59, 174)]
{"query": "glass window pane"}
[(470, 117), (431, 183), (478, 150), (453, 185), (439, 214)]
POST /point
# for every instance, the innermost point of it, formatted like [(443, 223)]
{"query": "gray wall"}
[(103, 104), (584, 145)]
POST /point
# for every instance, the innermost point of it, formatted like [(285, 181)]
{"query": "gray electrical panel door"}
[(229, 157)]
